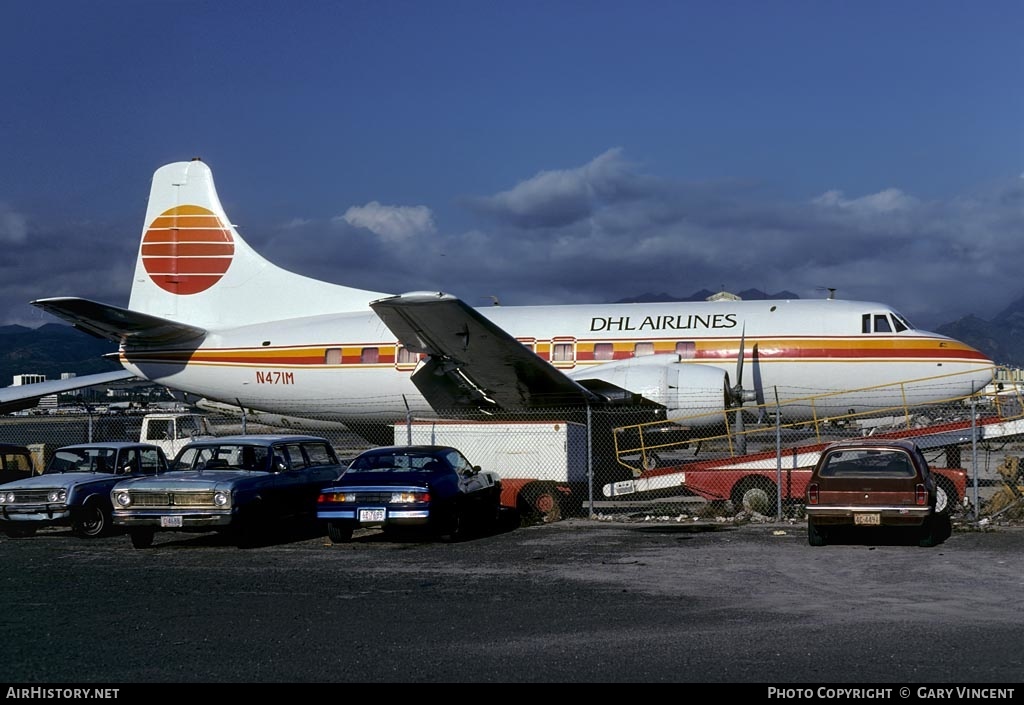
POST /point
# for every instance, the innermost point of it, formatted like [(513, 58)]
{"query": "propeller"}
[(739, 395)]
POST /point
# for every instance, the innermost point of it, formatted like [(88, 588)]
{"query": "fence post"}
[(590, 465), (974, 453)]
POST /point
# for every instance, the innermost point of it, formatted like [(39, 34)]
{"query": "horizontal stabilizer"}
[(26, 396), (118, 324)]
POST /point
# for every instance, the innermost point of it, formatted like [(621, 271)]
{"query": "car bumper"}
[(36, 514), (392, 517), (886, 515), (174, 520)]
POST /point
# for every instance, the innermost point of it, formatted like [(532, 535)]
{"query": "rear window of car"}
[(867, 463), (408, 462)]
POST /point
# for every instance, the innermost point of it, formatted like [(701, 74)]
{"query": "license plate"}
[(170, 522), (867, 519), (367, 516)]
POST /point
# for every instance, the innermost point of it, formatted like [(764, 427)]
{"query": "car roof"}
[(262, 439), (409, 449), (116, 445), (902, 443), (13, 448)]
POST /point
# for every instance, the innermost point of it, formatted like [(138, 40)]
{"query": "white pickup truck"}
[(172, 430)]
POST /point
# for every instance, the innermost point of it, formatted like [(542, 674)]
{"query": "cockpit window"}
[(883, 323), (902, 323)]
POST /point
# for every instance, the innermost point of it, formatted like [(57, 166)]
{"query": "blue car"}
[(234, 484), (74, 489), (433, 489)]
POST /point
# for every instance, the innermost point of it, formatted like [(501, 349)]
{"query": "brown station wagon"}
[(862, 484)]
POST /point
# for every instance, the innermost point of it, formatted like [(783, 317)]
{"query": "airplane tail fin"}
[(194, 267)]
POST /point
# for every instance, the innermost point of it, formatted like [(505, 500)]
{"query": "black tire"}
[(92, 520), (541, 502), (935, 530), (339, 533), (141, 538), (755, 493), (456, 529), (20, 532), (816, 536), (250, 528)]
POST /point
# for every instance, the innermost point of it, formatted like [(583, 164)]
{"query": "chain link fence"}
[(628, 464)]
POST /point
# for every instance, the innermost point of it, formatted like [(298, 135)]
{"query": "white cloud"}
[(887, 201), (13, 226), (562, 197), (393, 223)]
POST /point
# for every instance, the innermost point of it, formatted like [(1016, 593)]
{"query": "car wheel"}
[(815, 534), (250, 526), (650, 461), (936, 529), (91, 521), (755, 494), (339, 533), (141, 538), (945, 496), (455, 530), (20, 532), (541, 500)]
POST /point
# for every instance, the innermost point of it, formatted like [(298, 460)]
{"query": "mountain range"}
[(56, 348)]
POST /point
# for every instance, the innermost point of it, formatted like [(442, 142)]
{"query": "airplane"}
[(210, 317)]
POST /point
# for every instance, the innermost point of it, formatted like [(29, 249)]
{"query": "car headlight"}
[(6, 498), (222, 499), (57, 495), (122, 499)]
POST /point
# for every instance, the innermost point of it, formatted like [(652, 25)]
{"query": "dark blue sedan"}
[(433, 489)]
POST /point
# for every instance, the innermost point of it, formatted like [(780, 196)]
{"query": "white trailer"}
[(543, 464)]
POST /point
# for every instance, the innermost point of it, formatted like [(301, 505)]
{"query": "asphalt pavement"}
[(576, 601)]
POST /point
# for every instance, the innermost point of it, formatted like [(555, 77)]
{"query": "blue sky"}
[(540, 152)]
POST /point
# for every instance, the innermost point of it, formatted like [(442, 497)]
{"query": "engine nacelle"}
[(691, 393)]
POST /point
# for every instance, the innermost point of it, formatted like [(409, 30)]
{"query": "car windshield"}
[(82, 460), (398, 462), (867, 463), (228, 456)]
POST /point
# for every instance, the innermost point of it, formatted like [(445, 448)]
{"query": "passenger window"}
[(641, 349), (406, 356), (319, 454), (150, 461), (369, 356), (295, 456), (686, 350), (603, 351), (129, 462), (332, 356), (562, 352)]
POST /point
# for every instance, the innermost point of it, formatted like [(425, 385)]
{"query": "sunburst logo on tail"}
[(187, 249)]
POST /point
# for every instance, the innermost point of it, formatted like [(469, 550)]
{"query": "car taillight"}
[(812, 493), (921, 495)]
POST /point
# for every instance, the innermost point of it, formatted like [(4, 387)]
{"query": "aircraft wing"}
[(26, 396), (118, 324), (472, 362)]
